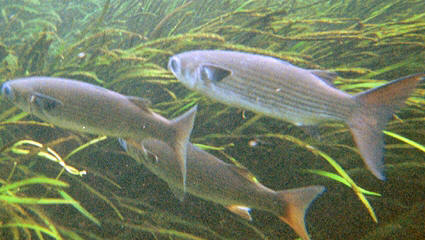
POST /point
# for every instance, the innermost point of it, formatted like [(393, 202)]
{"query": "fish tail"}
[(183, 125), (295, 203), (376, 106)]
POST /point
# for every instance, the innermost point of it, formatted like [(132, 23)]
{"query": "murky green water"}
[(125, 46)]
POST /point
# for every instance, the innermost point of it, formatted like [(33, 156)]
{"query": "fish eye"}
[(174, 65), (7, 91)]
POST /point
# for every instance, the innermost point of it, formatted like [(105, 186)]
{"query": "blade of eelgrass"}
[(80, 208), (45, 219), (336, 166), (32, 226), (69, 234), (29, 200), (50, 155), (165, 216), (93, 141), (248, 123), (158, 230), (406, 140), (104, 198), (17, 117), (356, 189), (35, 180), (33, 123), (209, 147), (340, 179)]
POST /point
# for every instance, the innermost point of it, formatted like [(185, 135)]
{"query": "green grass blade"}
[(94, 141), (104, 198), (35, 180), (336, 166), (80, 208), (29, 200), (34, 227), (341, 180), (354, 186), (406, 140)]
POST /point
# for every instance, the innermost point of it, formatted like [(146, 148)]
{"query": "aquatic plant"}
[(125, 45)]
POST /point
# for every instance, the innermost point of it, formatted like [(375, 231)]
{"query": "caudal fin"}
[(376, 107), (295, 203), (183, 125)]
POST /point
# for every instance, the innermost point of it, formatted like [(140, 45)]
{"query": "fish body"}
[(300, 96), (233, 187), (88, 108)]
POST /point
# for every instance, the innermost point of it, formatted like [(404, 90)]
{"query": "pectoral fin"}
[(44, 103), (240, 210), (213, 73)]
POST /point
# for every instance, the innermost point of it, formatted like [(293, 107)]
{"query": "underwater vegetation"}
[(59, 184)]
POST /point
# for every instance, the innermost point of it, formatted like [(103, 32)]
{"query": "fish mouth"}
[(183, 74), (174, 66), (6, 92)]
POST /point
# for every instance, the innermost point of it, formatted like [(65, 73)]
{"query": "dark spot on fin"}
[(44, 102), (327, 76), (178, 193), (242, 211), (244, 173), (142, 103), (213, 73)]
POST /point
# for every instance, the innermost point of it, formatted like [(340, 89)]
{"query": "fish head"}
[(25, 94), (7, 92), (198, 70), (17, 93)]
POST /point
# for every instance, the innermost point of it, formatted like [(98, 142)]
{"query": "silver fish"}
[(92, 109), (233, 187), (300, 96)]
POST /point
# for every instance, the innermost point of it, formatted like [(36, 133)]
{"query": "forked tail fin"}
[(183, 125), (376, 107), (295, 203)]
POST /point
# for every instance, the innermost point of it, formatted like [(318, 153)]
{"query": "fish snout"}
[(183, 71), (174, 66), (6, 91)]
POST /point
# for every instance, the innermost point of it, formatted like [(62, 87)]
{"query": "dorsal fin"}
[(326, 76), (244, 173), (142, 103)]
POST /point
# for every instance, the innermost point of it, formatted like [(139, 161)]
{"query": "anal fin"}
[(240, 210)]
